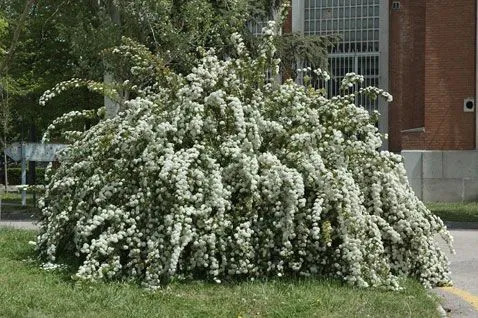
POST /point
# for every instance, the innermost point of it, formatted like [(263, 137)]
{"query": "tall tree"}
[(8, 85), (65, 39)]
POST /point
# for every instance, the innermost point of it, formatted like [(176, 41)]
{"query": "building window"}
[(255, 26), (357, 23)]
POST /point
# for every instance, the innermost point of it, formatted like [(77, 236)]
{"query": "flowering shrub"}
[(222, 174)]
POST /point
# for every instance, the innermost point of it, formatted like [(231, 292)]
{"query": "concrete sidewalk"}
[(461, 300), (29, 225)]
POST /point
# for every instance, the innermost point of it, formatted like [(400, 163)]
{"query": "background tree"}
[(8, 85), (63, 39)]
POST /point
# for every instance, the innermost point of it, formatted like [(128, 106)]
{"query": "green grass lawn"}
[(16, 197), (457, 212), (28, 291)]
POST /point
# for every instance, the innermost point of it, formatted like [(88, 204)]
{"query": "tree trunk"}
[(32, 174), (112, 107), (32, 164)]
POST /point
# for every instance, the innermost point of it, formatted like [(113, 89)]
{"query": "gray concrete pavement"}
[(462, 299), (465, 262), (19, 224)]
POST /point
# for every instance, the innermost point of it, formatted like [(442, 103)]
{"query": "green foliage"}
[(62, 40), (15, 176), (3, 32), (42, 58), (65, 39)]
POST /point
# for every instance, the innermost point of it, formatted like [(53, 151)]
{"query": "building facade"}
[(432, 75), (424, 53)]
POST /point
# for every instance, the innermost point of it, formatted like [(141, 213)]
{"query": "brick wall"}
[(407, 69), (432, 69), (287, 26)]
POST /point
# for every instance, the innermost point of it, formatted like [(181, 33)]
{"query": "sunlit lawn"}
[(28, 291), (455, 211)]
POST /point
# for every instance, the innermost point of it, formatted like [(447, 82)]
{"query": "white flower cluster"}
[(309, 74), (37, 188), (219, 175), (101, 88), (61, 123), (322, 74), (350, 79), (374, 92), (145, 67), (53, 266)]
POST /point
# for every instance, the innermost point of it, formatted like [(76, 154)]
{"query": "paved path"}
[(19, 224), (461, 300)]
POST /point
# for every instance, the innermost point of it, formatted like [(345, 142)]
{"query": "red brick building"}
[(424, 53), (432, 73)]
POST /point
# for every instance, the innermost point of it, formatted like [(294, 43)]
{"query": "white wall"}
[(450, 176)]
